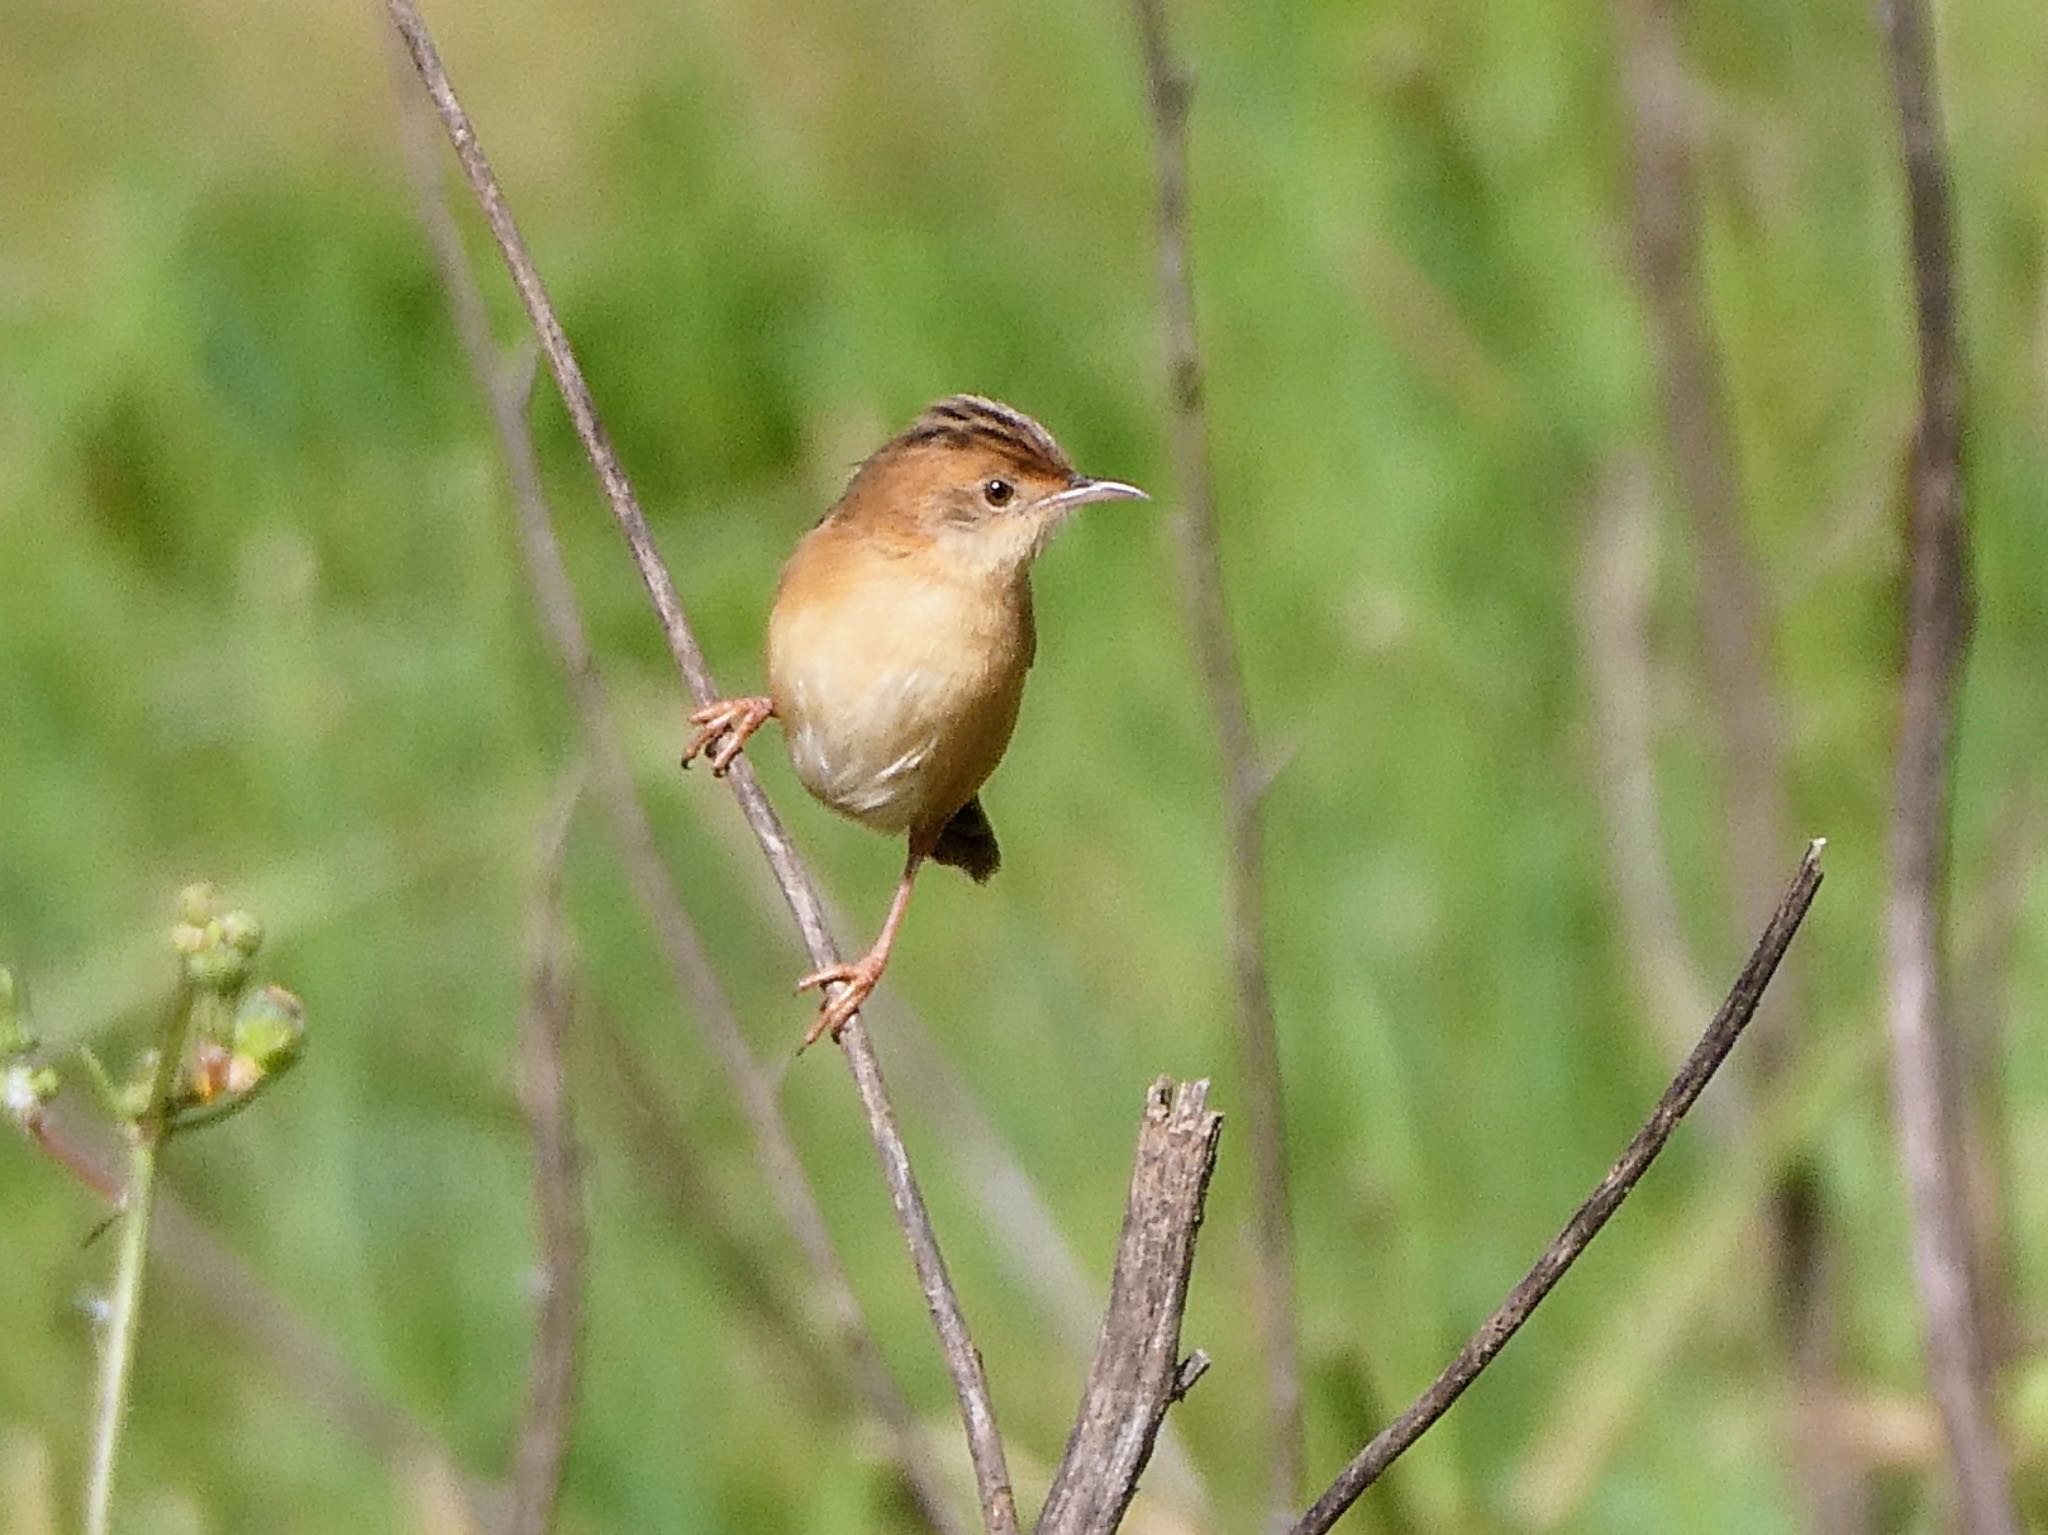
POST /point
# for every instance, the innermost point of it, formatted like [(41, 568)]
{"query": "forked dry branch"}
[(1138, 1371)]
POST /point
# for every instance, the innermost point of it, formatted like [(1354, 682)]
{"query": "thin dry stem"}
[(1924, 1050), (1244, 780), (963, 1360), (1137, 1372), (1733, 611), (1615, 588), (1485, 1345)]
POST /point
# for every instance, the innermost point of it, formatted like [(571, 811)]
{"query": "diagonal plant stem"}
[(1244, 774), (1733, 615), (963, 1360), (124, 1319), (1676, 1285), (1937, 620), (1485, 1345), (652, 885)]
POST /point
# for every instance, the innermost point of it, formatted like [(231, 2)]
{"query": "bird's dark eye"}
[(998, 492)]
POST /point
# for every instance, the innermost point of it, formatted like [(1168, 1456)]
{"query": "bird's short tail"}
[(969, 843)]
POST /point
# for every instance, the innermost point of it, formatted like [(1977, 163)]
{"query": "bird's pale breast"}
[(897, 679)]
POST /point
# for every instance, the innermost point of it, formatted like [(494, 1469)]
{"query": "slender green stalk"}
[(150, 1130), (122, 1325)]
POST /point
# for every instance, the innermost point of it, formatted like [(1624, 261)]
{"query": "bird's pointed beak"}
[(1088, 492)]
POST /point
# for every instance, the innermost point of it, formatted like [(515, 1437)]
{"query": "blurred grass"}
[(260, 618)]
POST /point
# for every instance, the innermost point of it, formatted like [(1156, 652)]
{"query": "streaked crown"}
[(972, 421)]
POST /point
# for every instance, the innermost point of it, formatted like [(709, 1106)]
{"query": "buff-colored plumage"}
[(900, 639), (896, 672)]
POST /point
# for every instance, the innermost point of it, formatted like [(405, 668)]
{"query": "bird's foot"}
[(856, 980), (723, 728)]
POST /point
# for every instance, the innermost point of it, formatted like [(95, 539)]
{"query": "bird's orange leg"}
[(723, 728), (857, 979)]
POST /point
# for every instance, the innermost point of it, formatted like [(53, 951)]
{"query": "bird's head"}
[(983, 483)]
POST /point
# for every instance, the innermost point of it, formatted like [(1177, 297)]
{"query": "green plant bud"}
[(195, 903), (270, 1034), (189, 938), (242, 933)]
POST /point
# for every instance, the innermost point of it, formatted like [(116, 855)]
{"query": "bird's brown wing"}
[(969, 842)]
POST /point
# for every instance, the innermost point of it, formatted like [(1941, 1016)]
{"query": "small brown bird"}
[(899, 641)]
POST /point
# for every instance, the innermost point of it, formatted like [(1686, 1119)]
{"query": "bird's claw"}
[(857, 982), (723, 728)]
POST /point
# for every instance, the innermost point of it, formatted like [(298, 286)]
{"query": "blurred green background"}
[(262, 619)]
